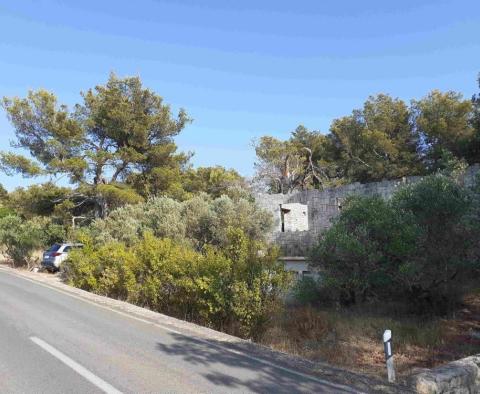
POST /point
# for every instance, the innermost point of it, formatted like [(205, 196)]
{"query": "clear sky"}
[(241, 69)]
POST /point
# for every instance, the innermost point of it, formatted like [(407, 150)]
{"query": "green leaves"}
[(199, 221), (129, 122), (119, 194), (377, 141), (385, 139), (202, 259), (21, 238), (444, 119), (46, 130), (11, 164), (420, 247), (233, 291), (121, 132), (37, 200), (215, 181)]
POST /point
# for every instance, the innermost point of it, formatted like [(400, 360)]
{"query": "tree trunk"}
[(101, 207)]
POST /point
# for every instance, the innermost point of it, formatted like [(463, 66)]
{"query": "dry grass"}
[(352, 338)]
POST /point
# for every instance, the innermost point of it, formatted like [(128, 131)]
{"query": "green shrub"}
[(443, 259), (233, 289), (199, 221), (6, 211), (107, 270), (420, 247), (360, 252), (20, 238), (306, 291)]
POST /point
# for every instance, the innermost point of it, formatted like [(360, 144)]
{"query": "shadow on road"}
[(234, 371)]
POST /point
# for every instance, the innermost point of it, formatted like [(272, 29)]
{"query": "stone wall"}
[(321, 206)]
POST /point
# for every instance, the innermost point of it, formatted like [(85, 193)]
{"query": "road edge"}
[(323, 373)]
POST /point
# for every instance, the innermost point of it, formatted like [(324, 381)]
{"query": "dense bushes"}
[(199, 221), (202, 260), (420, 247), (20, 237), (234, 289), (307, 291)]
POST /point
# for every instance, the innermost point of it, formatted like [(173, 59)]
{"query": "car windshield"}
[(54, 248)]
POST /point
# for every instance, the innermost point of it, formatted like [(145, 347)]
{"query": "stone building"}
[(300, 217)]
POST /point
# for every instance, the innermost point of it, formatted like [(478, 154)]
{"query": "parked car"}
[(56, 254)]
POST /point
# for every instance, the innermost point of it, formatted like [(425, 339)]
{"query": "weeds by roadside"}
[(351, 338)]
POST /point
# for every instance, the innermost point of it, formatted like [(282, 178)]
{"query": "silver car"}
[(56, 254)]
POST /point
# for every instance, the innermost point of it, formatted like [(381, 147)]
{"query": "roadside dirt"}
[(352, 339)]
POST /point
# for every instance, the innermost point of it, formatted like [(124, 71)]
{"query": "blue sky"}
[(241, 69)]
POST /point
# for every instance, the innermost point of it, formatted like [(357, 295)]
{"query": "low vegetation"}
[(234, 289), (21, 238), (199, 221), (352, 337), (202, 260)]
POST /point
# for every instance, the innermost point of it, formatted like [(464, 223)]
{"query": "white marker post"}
[(387, 347)]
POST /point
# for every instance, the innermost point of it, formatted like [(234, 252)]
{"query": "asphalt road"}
[(51, 342)]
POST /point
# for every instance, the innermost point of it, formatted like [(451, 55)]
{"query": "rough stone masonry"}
[(301, 217)]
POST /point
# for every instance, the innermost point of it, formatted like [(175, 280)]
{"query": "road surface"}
[(53, 342)]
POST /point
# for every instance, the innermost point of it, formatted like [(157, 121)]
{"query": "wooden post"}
[(387, 347)]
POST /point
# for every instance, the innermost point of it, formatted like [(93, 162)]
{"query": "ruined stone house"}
[(300, 217)]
